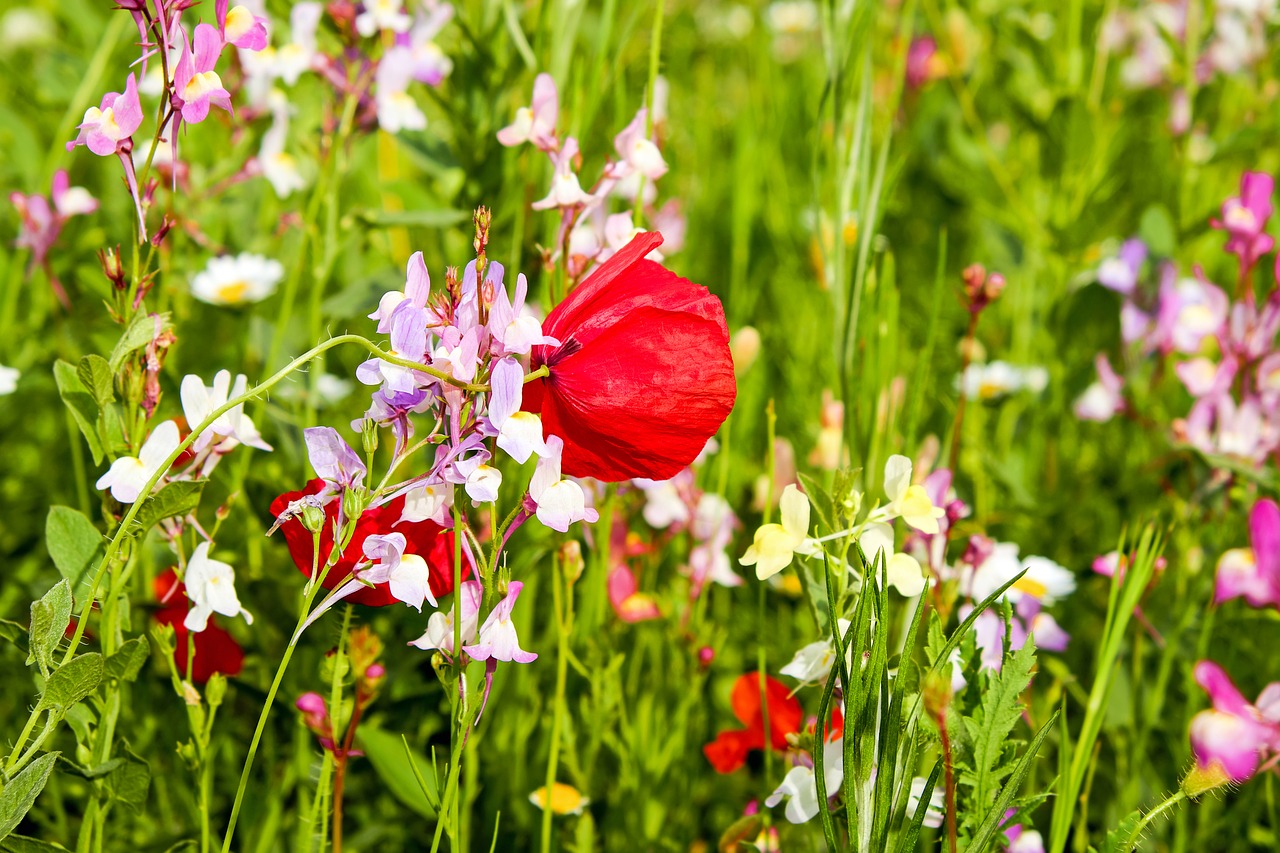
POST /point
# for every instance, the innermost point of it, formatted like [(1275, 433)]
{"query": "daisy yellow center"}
[(1033, 588), (988, 389), (233, 291), (564, 798)]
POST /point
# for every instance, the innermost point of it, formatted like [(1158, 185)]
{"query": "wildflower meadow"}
[(680, 425)]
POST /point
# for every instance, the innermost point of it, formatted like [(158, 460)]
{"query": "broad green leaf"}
[(74, 544), (177, 498), (73, 681), (128, 784), (386, 752), (49, 619), (97, 377), (141, 330), (20, 793), (127, 661), (81, 404)]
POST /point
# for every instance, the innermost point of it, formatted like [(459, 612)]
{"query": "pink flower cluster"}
[(589, 234), (43, 218), (1235, 736), (1223, 349)]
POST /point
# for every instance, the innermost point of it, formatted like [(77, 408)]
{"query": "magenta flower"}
[(240, 27), (628, 602), (1245, 217), (1233, 736), (498, 638), (196, 85), (1254, 573), (922, 64), (109, 125), (1191, 309)]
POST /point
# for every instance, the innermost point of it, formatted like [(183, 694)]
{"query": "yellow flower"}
[(907, 501), (775, 545)]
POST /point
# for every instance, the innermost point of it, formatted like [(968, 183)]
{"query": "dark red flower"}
[(729, 750), (642, 377), (215, 649), (427, 539)]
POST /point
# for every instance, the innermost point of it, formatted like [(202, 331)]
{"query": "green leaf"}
[(820, 499), (73, 681), (128, 784), (24, 844), (49, 619), (74, 544), (20, 794), (97, 772), (386, 752), (140, 332), (177, 498), (1117, 840), (127, 661), (421, 218), (994, 819), (1157, 230), (98, 379), (81, 404), (992, 723)]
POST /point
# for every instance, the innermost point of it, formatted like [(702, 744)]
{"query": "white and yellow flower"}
[(775, 545)]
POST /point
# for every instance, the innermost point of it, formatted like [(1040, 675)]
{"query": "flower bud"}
[(571, 559), (744, 346), (369, 436), (312, 517), (706, 655), (216, 689), (1200, 780), (353, 503), (112, 268)]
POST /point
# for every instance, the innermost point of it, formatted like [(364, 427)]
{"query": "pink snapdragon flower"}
[(109, 127), (196, 86), (1104, 399), (498, 640), (535, 123), (628, 602), (1233, 736), (566, 191), (240, 27), (1254, 573), (397, 109), (1191, 309), (42, 222), (1121, 272), (1245, 217)]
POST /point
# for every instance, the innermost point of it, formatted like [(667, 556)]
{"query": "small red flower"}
[(729, 750), (427, 539), (215, 649), (642, 377)]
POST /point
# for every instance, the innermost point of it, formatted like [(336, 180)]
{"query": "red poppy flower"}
[(215, 649), (729, 750), (427, 539), (642, 377)]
